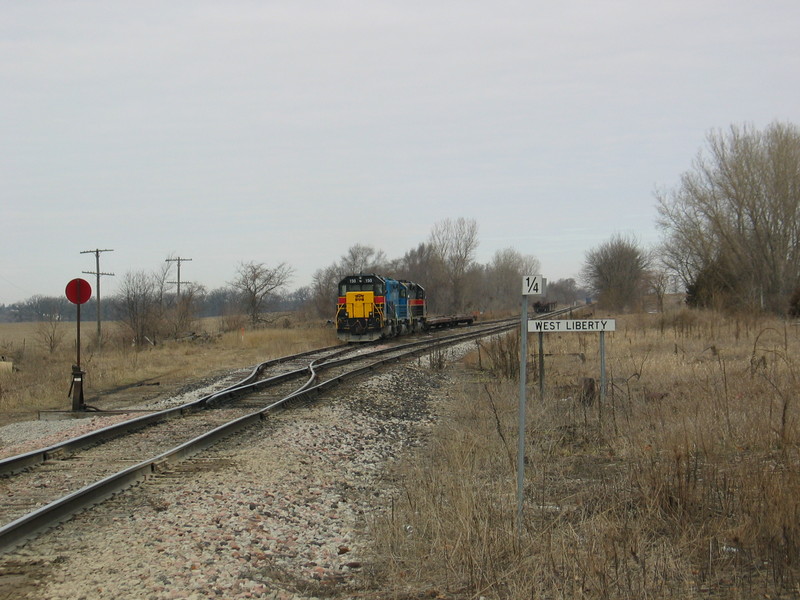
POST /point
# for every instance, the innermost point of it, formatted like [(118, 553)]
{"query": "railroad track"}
[(43, 487)]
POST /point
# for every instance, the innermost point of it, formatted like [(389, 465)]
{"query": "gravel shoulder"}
[(23, 436), (277, 513)]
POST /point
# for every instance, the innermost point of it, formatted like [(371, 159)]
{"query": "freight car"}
[(544, 306), (371, 307)]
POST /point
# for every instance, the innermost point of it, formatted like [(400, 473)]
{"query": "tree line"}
[(149, 306), (730, 230), (445, 264), (731, 240)]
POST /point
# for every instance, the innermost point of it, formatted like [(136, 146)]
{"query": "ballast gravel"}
[(25, 436), (279, 512)]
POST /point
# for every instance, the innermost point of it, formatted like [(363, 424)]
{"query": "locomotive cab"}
[(361, 313)]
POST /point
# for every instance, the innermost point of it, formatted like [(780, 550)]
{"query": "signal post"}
[(78, 292)]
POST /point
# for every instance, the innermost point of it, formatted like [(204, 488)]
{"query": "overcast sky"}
[(288, 131)]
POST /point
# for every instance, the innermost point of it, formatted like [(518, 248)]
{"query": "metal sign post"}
[(541, 366), (602, 367), (579, 326), (532, 285)]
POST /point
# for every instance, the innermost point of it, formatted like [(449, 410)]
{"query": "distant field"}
[(43, 355), (14, 335)]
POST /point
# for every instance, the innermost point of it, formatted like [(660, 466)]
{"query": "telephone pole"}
[(97, 272), (178, 260)]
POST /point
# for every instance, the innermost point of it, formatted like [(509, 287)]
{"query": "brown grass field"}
[(682, 483), (41, 378)]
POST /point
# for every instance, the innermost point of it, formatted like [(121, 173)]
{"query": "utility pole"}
[(178, 260), (97, 272)]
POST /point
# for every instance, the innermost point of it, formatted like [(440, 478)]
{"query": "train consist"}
[(372, 307)]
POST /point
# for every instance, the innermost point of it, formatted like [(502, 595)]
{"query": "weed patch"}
[(683, 482)]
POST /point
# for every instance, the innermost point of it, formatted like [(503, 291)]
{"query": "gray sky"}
[(289, 131)]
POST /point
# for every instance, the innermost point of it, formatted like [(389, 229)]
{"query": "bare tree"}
[(358, 259), (732, 225), (362, 259), (564, 291), (219, 301), (418, 264), (51, 334), (256, 282), (503, 278), (183, 309), (455, 243), (615, 271), (161, 285), (659, 281), (137, 301), (43, 308), (424, 266), (324, 290), (50, 330)]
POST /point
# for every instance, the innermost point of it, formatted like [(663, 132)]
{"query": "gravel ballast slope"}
[(278, 514)]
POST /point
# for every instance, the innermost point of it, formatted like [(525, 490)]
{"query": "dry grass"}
[(684, 482), (42, 374)]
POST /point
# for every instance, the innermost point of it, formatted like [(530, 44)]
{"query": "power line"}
[(178, 260), (98, 273)]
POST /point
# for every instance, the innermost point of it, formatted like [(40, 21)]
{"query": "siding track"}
[(43, 487)]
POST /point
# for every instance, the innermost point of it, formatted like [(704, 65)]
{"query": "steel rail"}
[(13, 464), (21, 529), (19, 462), (329, 363), (24, 527)]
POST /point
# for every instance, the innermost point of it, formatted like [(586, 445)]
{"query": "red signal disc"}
[(78, 291)]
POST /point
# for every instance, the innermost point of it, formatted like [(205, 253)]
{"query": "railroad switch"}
[(76, 388)]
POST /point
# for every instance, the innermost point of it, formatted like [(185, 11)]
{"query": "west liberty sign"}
[(583, 325)]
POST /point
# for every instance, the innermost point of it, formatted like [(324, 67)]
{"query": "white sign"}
[(532, 285), (582, 325)]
